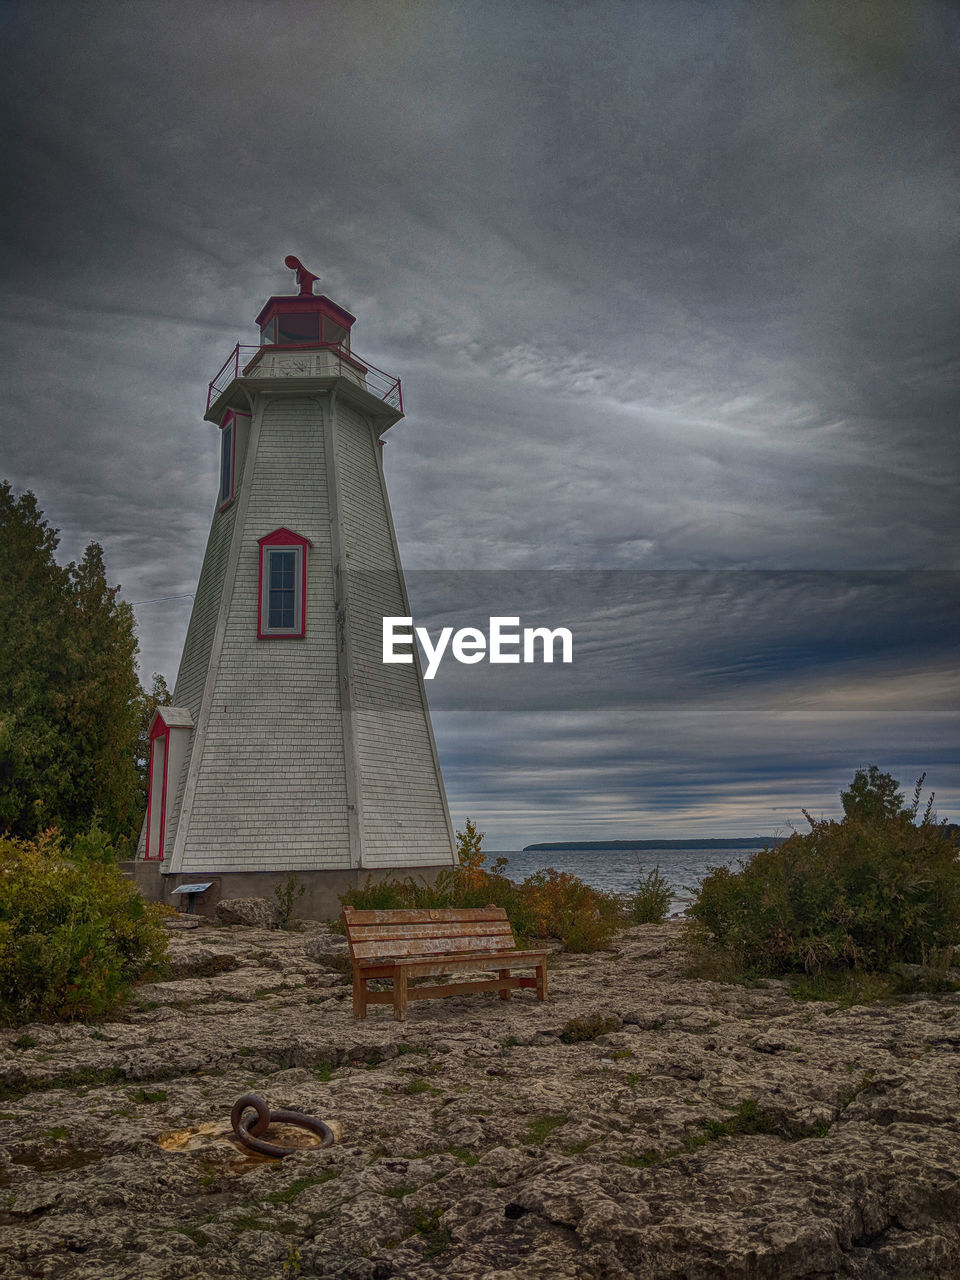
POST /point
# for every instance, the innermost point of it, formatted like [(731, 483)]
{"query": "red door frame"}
[(158, 730)]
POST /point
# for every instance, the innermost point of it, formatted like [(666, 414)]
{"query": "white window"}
[(283, 585)]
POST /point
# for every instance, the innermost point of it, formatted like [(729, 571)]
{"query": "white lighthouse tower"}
[(291, 747)]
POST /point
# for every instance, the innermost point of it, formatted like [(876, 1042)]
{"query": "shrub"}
[(93, 845), (74, 934), (583, 918), (650, 900), (287, 895), (548, 904), (871, 891)]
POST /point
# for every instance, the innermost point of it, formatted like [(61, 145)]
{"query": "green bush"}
[(650, 900), (874, 890), (74, 934), (548, 904), (583, 918)]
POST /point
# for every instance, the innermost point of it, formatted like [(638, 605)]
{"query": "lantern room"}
[(307, 320), (303, 335), (312, 321)]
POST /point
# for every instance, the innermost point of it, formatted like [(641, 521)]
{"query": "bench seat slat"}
[(423, 915), (430, 946), (433, 929), (419, 965)]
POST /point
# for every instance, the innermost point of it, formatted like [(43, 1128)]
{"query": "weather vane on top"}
[(305, 278)]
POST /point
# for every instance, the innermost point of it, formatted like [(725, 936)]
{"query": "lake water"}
[(617, 870)]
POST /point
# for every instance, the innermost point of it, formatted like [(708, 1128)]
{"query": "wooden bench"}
[(405, 944)]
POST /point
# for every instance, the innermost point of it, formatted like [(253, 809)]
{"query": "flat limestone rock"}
[(258, 913), (326, 947), (640, 1123), (181, 923)]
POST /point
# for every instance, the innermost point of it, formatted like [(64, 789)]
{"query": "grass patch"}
[(469, 1158), (849, 987), (578, 1148), (289, 1194), (578, 1030), (250, 1222), (25, 1042), (399, 1191), (144, 1095), (194, 1234), (643, 1161), (429, 1226), (66, 1080), (420, 1086), (747, 1118), (540, 1127)]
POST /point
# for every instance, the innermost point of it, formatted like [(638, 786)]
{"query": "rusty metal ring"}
[(248, 1130), (255, 1127)]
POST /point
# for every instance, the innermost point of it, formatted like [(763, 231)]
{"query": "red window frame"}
[(284, 539), (229, 421)]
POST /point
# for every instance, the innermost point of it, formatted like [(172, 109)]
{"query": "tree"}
[(873, 796), (105, 702), (70, 701), (32, 664)]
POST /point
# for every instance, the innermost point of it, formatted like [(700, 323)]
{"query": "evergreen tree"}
[(33, 676), (70, 701), (105, 703)]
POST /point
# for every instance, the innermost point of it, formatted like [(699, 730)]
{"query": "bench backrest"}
[(407, 932)]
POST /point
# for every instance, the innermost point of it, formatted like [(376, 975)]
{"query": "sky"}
[(671, 287)]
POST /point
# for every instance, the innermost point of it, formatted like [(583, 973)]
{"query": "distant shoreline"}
[(641, 846)]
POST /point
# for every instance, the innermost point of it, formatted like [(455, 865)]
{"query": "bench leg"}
[(504, 973), (359, 994), (400, 995), (542, 981)]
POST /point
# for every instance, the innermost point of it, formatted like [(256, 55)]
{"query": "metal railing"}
[(244, 360)]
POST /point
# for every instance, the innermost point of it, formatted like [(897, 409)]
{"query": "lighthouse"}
[(290, 748)]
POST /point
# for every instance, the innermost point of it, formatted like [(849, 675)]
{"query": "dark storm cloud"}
[(671, 286)]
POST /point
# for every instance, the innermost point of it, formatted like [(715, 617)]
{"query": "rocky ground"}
[(640, 1124)]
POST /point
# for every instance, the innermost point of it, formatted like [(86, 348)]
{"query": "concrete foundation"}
[(320, 899)]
